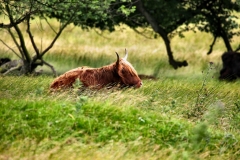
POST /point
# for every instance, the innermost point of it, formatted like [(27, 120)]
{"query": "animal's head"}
[(127, 73)]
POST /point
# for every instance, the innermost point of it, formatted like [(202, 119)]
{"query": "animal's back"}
[(88, 76), (67, 79)]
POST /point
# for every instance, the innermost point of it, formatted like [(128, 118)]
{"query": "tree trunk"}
[(226, 40), (162, 33), (26, 68)]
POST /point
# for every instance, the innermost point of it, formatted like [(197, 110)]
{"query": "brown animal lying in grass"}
[(121, 72)]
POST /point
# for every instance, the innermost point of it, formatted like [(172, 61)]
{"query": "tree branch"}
[(10, 48), (18, 21), (56, 37), (11, 66), (238, 48), (150, 19), (31, 37), (12, 69), (52, 68), (10, 25), (16, 43), (211, 46), (141, 33), (50, 26)]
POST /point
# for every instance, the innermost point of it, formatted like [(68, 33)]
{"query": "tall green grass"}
[(184, 114), (155, 121)]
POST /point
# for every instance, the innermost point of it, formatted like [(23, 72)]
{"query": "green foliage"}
[(214, 14), (56, 120), (152, 115), (89, 13), (83, 13), (176, 17), (201, 136), (32, 119)]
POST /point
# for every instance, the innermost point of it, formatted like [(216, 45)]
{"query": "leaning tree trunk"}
[(162, 33), (226, 40), (171, 59)]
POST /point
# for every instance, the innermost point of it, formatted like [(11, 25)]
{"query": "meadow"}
[(183, 114)]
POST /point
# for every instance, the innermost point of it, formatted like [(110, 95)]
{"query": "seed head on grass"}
[(202, 93)]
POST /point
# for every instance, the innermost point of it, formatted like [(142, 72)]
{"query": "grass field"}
[(184, 114)]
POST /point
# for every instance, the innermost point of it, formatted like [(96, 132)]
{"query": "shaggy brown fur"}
[(121, 72)]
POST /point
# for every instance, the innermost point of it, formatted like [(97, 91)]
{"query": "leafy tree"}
[(80, 12), (166, 16), (217, 18)]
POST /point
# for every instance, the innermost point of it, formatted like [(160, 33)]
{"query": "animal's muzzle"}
[(138, 85)]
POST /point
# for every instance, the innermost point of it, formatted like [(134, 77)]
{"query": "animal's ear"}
[(126, 54)]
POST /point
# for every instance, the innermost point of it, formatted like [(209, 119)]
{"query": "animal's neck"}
[(108, 74)]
